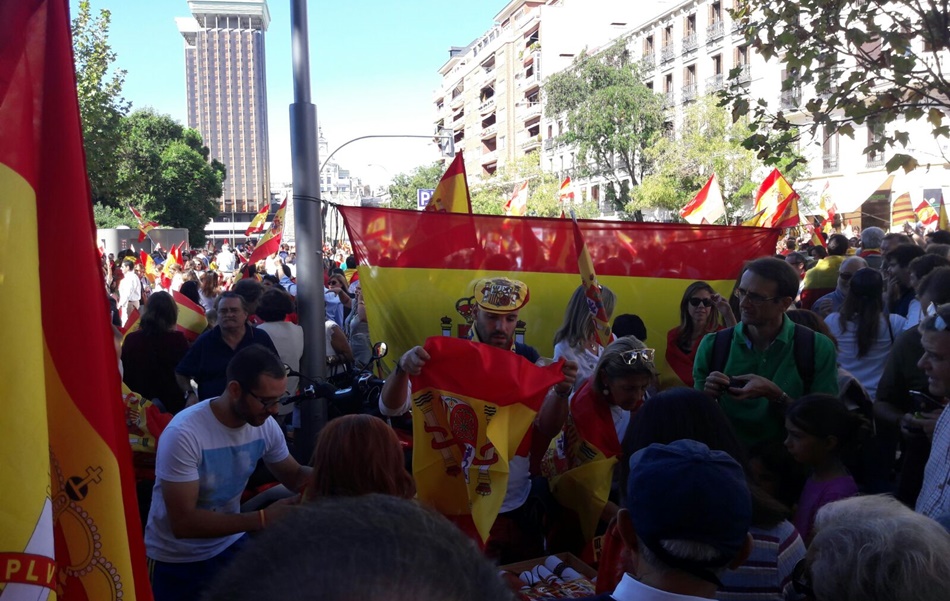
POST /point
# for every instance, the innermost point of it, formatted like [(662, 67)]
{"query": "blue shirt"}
[(207, 360)]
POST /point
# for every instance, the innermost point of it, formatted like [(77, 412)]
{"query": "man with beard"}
[(206, 455), (498, 302), (760, 373)]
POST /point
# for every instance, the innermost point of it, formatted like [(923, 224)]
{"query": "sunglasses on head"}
[(631, 357), (696, 301)]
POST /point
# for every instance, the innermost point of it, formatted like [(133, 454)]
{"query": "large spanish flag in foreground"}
[(473, 403), (414, 295), (69, 523)]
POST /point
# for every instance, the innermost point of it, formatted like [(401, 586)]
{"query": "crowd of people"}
[(804, 456)]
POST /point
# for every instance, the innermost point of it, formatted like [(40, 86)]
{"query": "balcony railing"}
[(791, 99), (667, 53), (690, 91), (549, 144), (714, 31), (715, 83), (487, 105), (533, 109), (829, 163), (528, 79), (875, 160), (690, 42), (736, 26), (488, 157), (648, 63), (745, 74), (669, 98), (531, 142), (490, 131)]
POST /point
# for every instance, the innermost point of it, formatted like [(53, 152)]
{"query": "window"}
[(668, 83), (829, 151), (875, 135), (742, 55), (717, 64), (648, 46), (715, 12)]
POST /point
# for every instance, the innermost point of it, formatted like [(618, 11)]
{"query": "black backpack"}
[(803, 345)]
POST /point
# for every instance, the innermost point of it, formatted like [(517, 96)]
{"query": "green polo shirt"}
[(754, 420)]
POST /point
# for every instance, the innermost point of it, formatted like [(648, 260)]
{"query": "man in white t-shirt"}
[(130, 291), (205, 458)]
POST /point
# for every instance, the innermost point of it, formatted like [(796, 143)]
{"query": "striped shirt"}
[(934, 498), (767, 574)]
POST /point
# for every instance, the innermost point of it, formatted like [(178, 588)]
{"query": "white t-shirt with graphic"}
[(196, 446)]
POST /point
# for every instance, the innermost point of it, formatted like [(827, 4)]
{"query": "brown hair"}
[(358, 455)]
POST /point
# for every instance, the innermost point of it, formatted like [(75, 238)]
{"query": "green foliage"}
[(164, 172), (101, 105), (609, 114), (107, 217), (402, 190), (707, 142), (868, 63), (490, 195)]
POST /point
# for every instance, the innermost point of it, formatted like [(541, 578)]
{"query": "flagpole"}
[(309, 227)]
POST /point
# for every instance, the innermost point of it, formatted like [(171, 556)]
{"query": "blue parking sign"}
[(423, 197)]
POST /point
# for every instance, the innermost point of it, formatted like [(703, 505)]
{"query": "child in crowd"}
[(821, 431)]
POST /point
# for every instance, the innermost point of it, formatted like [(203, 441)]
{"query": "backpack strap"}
[(804, 349), (720, 354)]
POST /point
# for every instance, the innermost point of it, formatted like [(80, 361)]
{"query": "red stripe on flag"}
[(488, 242)]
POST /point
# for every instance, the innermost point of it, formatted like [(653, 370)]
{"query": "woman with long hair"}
[(576, 339), (358, 455), (864, 332), (702, 311), (209, 290), (150, 354)]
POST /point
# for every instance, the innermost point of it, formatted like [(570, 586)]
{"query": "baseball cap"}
[(500, 294), (685, 491)]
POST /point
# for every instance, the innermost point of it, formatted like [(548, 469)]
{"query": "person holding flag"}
[(497, 302)]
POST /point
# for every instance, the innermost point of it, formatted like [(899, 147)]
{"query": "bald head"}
[(848, 268)]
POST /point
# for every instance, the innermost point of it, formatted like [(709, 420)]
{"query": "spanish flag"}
[(191, 317), (144, 226), (707, 206), (69, 523), (580, 462), (149, 269), (473, 406), (451, 195), (926, 214), (517, 205), (595, 301), (270, 242), (647, 261), (777, 201), (257, 224), (566, 192)]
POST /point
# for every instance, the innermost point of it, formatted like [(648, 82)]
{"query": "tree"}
[(707, 142), (164, 172), (101, 105), (490, 195), (402, 190), (609, 114), (869, 63)]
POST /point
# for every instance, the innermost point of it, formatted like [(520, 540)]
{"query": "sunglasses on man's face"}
[(696, 301)]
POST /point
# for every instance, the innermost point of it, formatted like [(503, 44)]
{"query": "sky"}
[(374, 68)]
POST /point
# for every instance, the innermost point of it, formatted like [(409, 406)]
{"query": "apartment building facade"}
[(226, 97), (685, 49)]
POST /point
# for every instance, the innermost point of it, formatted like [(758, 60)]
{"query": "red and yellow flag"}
[(149, 269), (706, 206), (270, 242), (474, 404), (777, 201), (517, 205), (566, 193), (643, 262), (595, 301), (191, 317), (903, 211), (257, 224), (828, 209), (144, 226), (579, 464), (451, 195), (926, 213), (69, 522)]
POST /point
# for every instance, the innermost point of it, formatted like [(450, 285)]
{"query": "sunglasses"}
[(267, 403), (631, 357), (755, 299), (696, 301)]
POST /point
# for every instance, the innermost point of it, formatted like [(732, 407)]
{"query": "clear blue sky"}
[(374, 67)]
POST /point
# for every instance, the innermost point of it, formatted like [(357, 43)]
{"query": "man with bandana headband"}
[(497, 302)]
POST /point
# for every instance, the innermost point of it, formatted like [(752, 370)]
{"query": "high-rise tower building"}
[(227, 95)]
